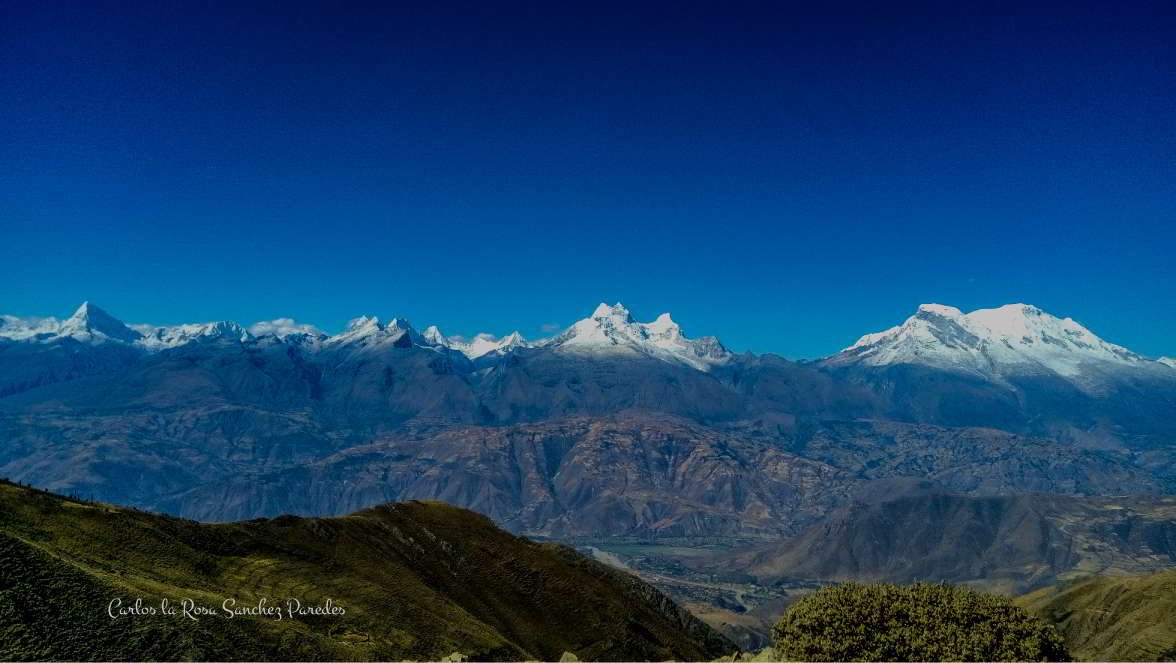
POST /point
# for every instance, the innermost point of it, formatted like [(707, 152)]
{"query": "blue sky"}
[(782, 177)]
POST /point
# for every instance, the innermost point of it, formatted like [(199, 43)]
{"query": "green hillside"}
[(1113, 619), (417, 580)]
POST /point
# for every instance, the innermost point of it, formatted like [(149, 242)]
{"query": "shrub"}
[(921, 622)]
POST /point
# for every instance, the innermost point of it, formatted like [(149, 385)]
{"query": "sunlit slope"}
[(1113, 619)]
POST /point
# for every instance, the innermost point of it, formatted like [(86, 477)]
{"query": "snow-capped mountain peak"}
[(484, 344), (368, 322), (283, 328), (941, 310), (617, 311), (365, 325), (480, 345), (90, 323), (996, 342), (369, 334), (433, 335), (25, 329), (399, 324), (173, 336), (664, 326), (612, 330)]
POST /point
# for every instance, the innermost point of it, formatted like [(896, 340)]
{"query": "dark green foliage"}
[(921, 622)]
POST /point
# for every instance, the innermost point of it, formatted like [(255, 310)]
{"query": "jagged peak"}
[(612, 330), (617, 310), (399, 324), (370, 332), (364, 322), (85, 309), (433, 334), (172, 336), (484, 344), (91, 312), (89, 319)]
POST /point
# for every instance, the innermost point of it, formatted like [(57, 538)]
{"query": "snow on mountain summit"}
[(370, 333), (90, 323), (612, 330), (617, 310), (609, 330), (26, 329), (173, 336), (479, 346), (484, 344), (1015, 338), (283, 328)]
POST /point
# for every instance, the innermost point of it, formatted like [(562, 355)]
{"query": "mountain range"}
[(1011, 340), (610, 428)]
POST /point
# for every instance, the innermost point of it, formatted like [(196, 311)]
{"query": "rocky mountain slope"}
[(656, 476), (1008, 543), (415, 580), (640, 475)]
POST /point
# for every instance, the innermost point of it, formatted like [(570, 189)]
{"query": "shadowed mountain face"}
[(1012, 543), (655, 475), (641, 475), (228, 430), (416, 580)]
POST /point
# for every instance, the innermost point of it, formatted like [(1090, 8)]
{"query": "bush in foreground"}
[(922, 622)]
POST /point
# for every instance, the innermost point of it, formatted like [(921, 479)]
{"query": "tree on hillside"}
[(921, 622)]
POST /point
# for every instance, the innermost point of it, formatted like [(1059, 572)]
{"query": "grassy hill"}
[(417, 580), (1113, 619)]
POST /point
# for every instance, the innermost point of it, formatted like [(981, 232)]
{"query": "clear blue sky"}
[(782, 177)]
